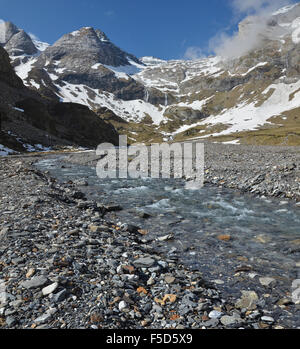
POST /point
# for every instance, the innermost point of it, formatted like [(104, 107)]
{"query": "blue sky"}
[(168, 29)]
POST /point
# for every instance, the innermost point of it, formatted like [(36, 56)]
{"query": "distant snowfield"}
[(248, 117), (41, 46), (236, 141), (296, 36), (122, 72), (251, 69)]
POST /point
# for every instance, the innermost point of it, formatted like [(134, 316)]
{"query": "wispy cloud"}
[(33, 37), (236, 44), (194, 52), (109, 13)]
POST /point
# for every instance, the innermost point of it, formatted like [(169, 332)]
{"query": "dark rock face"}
[(108, 115), (75, 123), (79, 124), (7, 74), (46, 89)]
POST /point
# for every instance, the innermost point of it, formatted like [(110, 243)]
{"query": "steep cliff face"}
[(27, 119), (7, 73)]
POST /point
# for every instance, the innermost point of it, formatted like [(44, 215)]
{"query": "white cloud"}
[(109, 13), (193, 52), (2, 21), (237, 44), (33, 37)]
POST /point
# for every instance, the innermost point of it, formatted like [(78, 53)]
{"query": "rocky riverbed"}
[(260, 170), (66, 263)]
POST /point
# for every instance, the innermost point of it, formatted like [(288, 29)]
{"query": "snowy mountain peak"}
[(90, 32), (92, 43)]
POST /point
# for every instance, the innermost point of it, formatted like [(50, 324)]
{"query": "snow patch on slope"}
[(196, 105), (152, 61), (135, 110), (123, 72), (284, 10), (261, 64), (23, 70), (248, 117), (296, 33)]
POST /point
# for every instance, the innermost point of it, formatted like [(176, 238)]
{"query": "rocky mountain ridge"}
[(250, 96)]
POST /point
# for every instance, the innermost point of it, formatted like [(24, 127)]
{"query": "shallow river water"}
[(264, 233)]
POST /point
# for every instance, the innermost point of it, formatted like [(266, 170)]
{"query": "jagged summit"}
[(84, 31), (92, 42)]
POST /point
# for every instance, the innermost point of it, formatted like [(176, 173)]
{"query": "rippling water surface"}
[(260, 228)]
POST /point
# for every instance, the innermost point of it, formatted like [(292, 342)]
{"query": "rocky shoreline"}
[(65, 265)]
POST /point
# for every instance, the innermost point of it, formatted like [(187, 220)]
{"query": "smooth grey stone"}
[(36, 282)]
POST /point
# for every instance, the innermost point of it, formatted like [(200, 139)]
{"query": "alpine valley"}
[(149, 247), (249, 98)]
